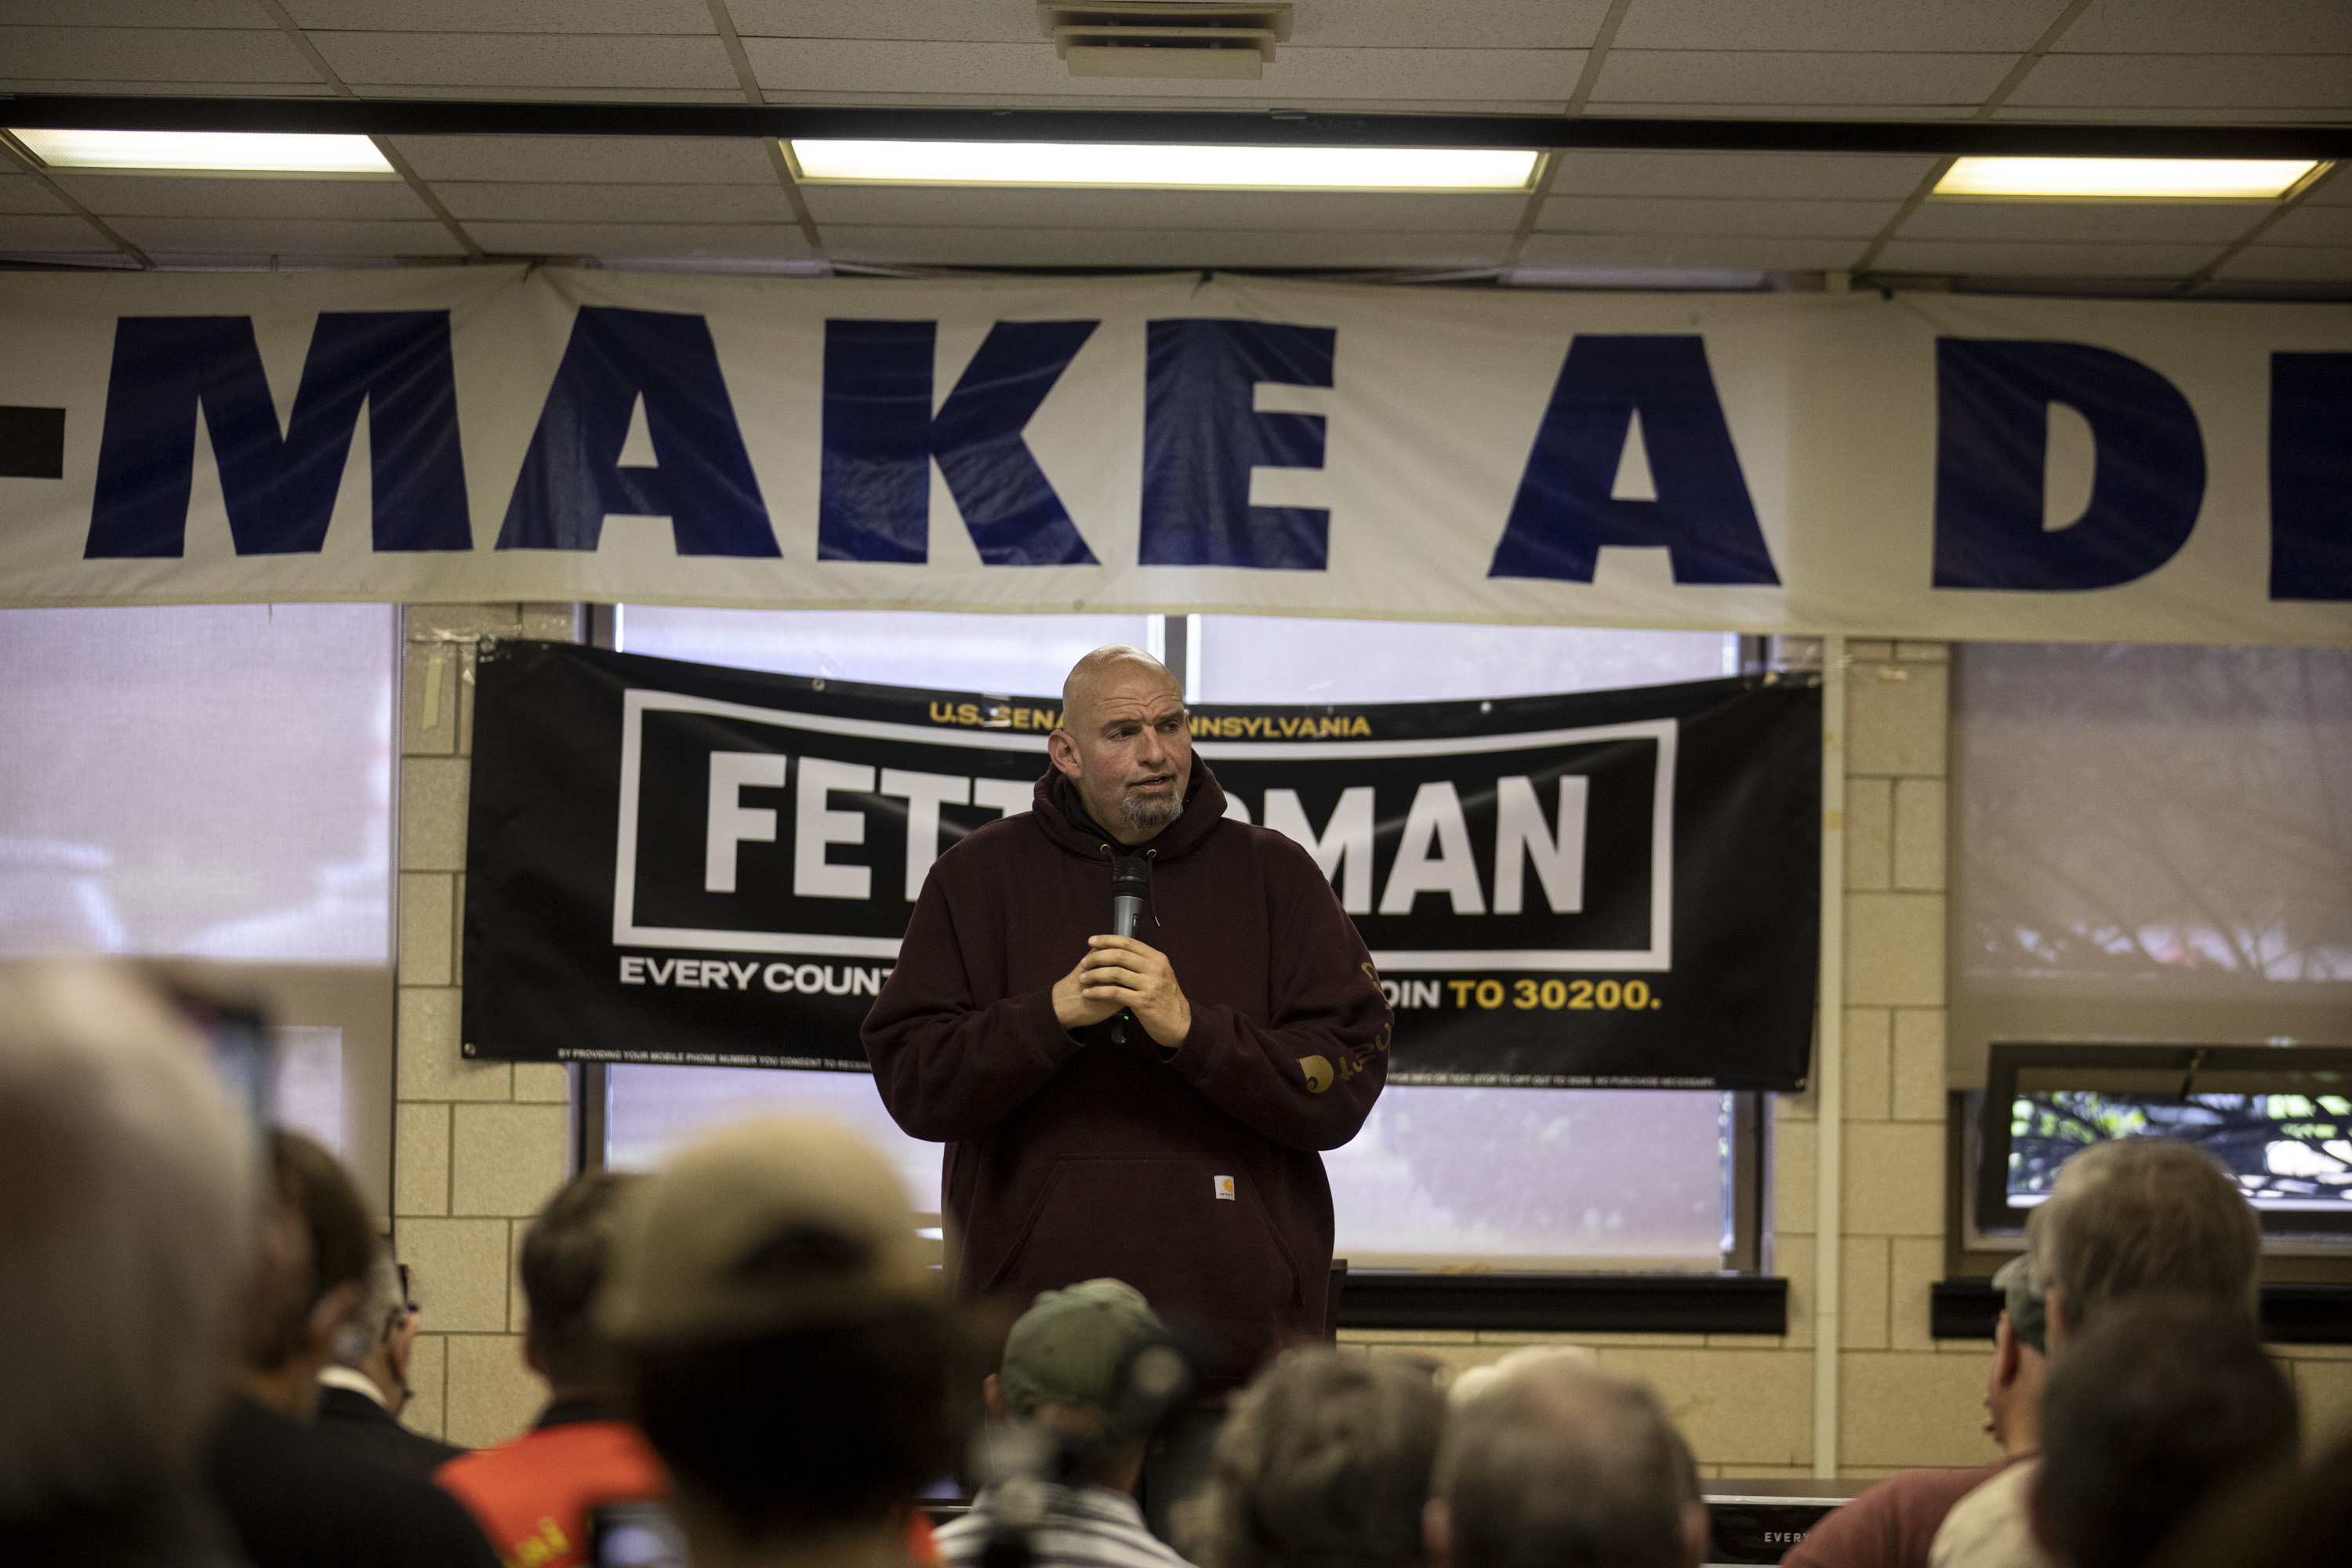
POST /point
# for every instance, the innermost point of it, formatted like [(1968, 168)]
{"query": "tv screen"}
[(2278, 1119)]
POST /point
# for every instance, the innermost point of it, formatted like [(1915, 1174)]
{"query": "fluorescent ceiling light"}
[(1133, 165), (207, 151), (2125, 179)]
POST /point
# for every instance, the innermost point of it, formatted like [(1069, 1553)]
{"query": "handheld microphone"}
[(1130, 885)]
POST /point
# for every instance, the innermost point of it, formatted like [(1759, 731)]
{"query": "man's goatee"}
[(1149, 814)]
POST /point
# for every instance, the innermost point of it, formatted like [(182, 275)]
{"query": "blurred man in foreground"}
[(783, 1345), (1326, 1459), (2159, 1408), (532, 1495), (364, 1389), (297, 1500), (2130, 1220), (1894, 1524), (126, 1214), (1561, 1463), (1059, 1401)]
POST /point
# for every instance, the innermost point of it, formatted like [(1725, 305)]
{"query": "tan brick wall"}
[(1747, 1404), (477, 1147)]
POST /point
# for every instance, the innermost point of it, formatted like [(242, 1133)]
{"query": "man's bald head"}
[(1125, 743), (1114, 664)]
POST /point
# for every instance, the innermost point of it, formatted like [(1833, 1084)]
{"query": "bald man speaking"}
[(1146, 1108)]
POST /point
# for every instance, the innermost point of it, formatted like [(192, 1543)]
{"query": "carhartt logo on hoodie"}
[(1223, 1186)]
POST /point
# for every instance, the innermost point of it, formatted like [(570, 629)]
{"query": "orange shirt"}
[(532, 1495)]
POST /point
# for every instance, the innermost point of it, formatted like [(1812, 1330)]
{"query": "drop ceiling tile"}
[(530, 93), (595, 159), (1031, 69), (1701, 216), (557, 16), (2174, 81), (1686, 252), (1871, 110), (2009, 26), (2290, 263), (285, 237), (2202, 27), (2172, 114), (164, 196), (34, 231), (24, 193), (2085, 222), (1159, 247), (1451, 24), (607, 203), (1760, 176), (153, 54), (663, 239), (2310, 225), (1722, 77), (1996, 259), (960, 21), (474, 59), (2333, 190), (229, 14), (891, 206), (311, 88)]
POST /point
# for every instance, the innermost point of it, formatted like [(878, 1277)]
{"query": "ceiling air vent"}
[(1167, 37)]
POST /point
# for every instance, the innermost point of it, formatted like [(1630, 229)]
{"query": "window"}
[(2153, 847), (213, 783), (1492, 1177)]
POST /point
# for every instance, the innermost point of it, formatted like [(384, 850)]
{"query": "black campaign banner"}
[(671, 862)]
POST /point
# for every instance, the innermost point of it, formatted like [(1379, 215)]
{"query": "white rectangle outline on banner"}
[(637, 702)]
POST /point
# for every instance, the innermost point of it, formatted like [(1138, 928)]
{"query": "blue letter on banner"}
[(1564, 512), (1992, 401), (280, 492), (571, 477), (2311, 476), (1201, 437), (873, 497)]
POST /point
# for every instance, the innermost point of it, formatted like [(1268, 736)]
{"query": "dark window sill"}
[(2293, 1313), (1566, 1303)]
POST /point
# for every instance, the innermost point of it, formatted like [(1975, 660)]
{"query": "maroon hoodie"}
[(1193, 1175)]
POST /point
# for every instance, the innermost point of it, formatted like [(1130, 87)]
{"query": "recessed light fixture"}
[(1135, 165), (249, 153), (2125, 179)]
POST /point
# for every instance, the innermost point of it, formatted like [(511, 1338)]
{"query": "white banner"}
[(1928, 466)]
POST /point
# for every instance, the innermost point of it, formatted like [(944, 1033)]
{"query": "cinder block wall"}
[(477, 1147), (480, 1147)]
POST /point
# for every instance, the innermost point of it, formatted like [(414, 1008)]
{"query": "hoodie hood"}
[(1058, 813)]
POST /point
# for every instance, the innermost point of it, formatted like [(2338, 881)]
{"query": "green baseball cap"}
[(1070, 1346), (2022, 1300)]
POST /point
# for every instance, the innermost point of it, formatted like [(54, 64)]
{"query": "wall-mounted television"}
[(2278, 1118)]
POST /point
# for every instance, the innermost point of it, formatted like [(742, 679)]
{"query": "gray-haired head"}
[(1325, 1460), (380, 1311), (127, 1207), (2143, 1216), (1556, 1463)]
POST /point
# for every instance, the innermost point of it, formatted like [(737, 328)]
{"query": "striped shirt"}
[(1082, 1526)]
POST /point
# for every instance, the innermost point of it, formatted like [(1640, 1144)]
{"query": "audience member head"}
[(382, 1333), (565, 1255), (126, 1214), (1067, 1367), (1563, 1465), (1475, 1381), (2141, 1216), (2161, 1405), (2013, 1392), (780, 1341), (2279, 1517), (1325, 1460), (317, 1249)]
